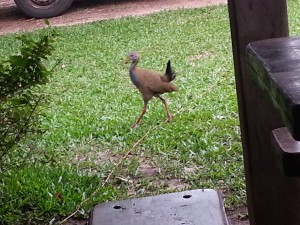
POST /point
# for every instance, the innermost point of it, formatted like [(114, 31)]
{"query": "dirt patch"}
[(76, 222), (147, 168), (84, 11), (200, 55), (238, 216)]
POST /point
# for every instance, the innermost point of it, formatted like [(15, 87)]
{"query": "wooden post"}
[(253, 20)]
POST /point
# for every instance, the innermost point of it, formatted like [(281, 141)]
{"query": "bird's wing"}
[(150, 82)]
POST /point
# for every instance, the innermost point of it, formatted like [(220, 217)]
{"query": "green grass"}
[(39, 192), (92, 105)]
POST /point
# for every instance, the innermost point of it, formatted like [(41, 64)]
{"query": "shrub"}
[(19, 74)]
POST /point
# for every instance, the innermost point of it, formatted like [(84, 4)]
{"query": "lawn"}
[(91, 105)]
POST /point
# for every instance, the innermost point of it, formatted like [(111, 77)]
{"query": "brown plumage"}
[(150, 83)]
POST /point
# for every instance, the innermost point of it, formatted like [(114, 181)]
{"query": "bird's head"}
[(132, 57)]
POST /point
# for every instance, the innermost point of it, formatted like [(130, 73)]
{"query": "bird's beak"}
[(126, 59)]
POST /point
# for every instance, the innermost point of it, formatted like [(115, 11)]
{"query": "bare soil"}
[(85, 11)]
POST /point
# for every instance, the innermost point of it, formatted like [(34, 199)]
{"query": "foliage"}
[(18, 102)]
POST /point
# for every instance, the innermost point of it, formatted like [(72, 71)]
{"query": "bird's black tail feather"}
[(169, 72)]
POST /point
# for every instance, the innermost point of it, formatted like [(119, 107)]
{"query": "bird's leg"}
[(169, 116), (140, 117)]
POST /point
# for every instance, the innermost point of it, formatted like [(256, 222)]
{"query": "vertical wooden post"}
[(253, 20)]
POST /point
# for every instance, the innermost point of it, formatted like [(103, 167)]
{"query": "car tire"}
[(43, 8)]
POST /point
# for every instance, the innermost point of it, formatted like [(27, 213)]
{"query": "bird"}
[(150, 83)]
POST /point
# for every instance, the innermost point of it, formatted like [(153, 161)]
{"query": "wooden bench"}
[(274, 67)]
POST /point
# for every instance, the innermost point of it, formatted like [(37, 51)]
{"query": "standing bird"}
[(150, 83)]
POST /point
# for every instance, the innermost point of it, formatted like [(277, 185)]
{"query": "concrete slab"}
[(195, 207)]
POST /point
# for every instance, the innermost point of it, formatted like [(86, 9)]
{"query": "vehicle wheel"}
[(43, 8)]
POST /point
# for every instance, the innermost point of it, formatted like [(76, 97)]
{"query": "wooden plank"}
[(253, 20), (197, 207)]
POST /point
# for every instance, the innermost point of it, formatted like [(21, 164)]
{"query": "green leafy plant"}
[(18, 102)]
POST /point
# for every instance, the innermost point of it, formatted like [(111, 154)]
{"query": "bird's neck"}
[(132, 74)]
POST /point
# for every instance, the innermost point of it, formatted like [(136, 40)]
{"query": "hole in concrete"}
[(117, 207), (187, 196)]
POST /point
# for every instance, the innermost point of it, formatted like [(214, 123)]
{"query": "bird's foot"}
[(134, 126), (169, 118)]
